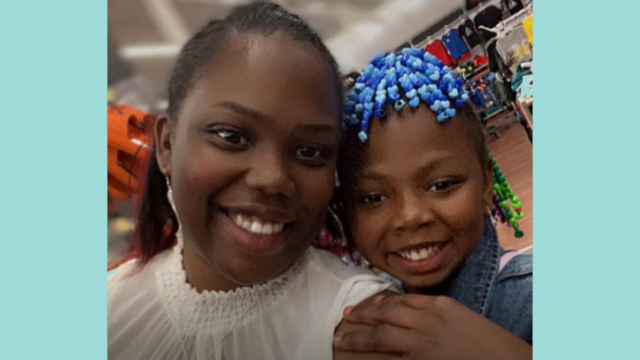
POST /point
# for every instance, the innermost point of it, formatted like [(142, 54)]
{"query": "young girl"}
[(241, 176), (416, 191)]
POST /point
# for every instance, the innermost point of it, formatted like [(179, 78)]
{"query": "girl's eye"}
[(232, 137), (373, 199), (309, 152), (443, 185)]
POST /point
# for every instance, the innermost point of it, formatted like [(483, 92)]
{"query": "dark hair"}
[(156, 223)]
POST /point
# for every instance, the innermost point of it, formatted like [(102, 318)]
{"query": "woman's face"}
[(417, 209), (252, 159)]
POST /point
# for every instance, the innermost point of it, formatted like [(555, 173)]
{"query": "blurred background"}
[(145, 37)]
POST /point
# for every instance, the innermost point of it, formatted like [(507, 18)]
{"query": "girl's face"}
[(252, 160), (417, 211)]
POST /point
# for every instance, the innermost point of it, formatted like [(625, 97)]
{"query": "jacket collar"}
[(473, 283)]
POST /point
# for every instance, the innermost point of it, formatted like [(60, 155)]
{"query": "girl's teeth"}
[(420, 254), (277, 228), (267, 229)]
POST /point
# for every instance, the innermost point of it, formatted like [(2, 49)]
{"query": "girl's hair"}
[(156, 223), (392, 82)]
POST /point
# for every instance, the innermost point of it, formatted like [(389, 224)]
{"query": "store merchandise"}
[(472, 4), (527, 25), (512, 6), (514, 48), (489, 18), (496, 64), (438, 50), (479, 61), (457, 48), (468, 31)]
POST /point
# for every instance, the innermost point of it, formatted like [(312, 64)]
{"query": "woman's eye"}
[(232, 137), (309, 152)]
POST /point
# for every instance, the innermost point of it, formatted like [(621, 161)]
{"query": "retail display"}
[(457, 48), (438, 50), (512, 6), (468, 31), (514, 48), (527, 25), (489, 17), (472, 4)]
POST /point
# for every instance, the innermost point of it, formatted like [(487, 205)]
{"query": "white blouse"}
[(154, 314)]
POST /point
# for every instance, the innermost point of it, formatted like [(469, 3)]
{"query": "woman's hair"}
[(156, 223)]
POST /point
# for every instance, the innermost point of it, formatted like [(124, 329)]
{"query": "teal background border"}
[(586, 175), (53, 74), (53, 83)]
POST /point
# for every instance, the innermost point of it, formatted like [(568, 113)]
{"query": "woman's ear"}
[(163, 136)]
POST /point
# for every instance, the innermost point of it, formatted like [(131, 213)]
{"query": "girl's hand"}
[(428, 327)]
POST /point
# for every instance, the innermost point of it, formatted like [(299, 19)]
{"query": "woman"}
[(415, 190), (241, 176)]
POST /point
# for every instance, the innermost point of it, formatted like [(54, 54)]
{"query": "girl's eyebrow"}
[(430, 166)]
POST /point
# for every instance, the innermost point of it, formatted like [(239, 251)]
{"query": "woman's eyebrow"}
[(243, 111)]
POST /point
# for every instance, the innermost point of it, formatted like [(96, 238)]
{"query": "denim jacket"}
[(504, 297)]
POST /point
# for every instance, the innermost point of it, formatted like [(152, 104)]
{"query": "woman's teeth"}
[(420, 254), (256, 226)]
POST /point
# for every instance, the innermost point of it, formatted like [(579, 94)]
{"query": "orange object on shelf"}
[(127, 147)]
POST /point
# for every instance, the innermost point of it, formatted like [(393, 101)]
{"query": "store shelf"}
[(478, 73)]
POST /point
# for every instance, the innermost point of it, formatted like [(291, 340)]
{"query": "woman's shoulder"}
[(135, 309), (319, 294), (131, 273), (333, 269), (327, 277), (132, 286)]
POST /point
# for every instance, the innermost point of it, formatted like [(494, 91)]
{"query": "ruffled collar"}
[(217, 311)]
